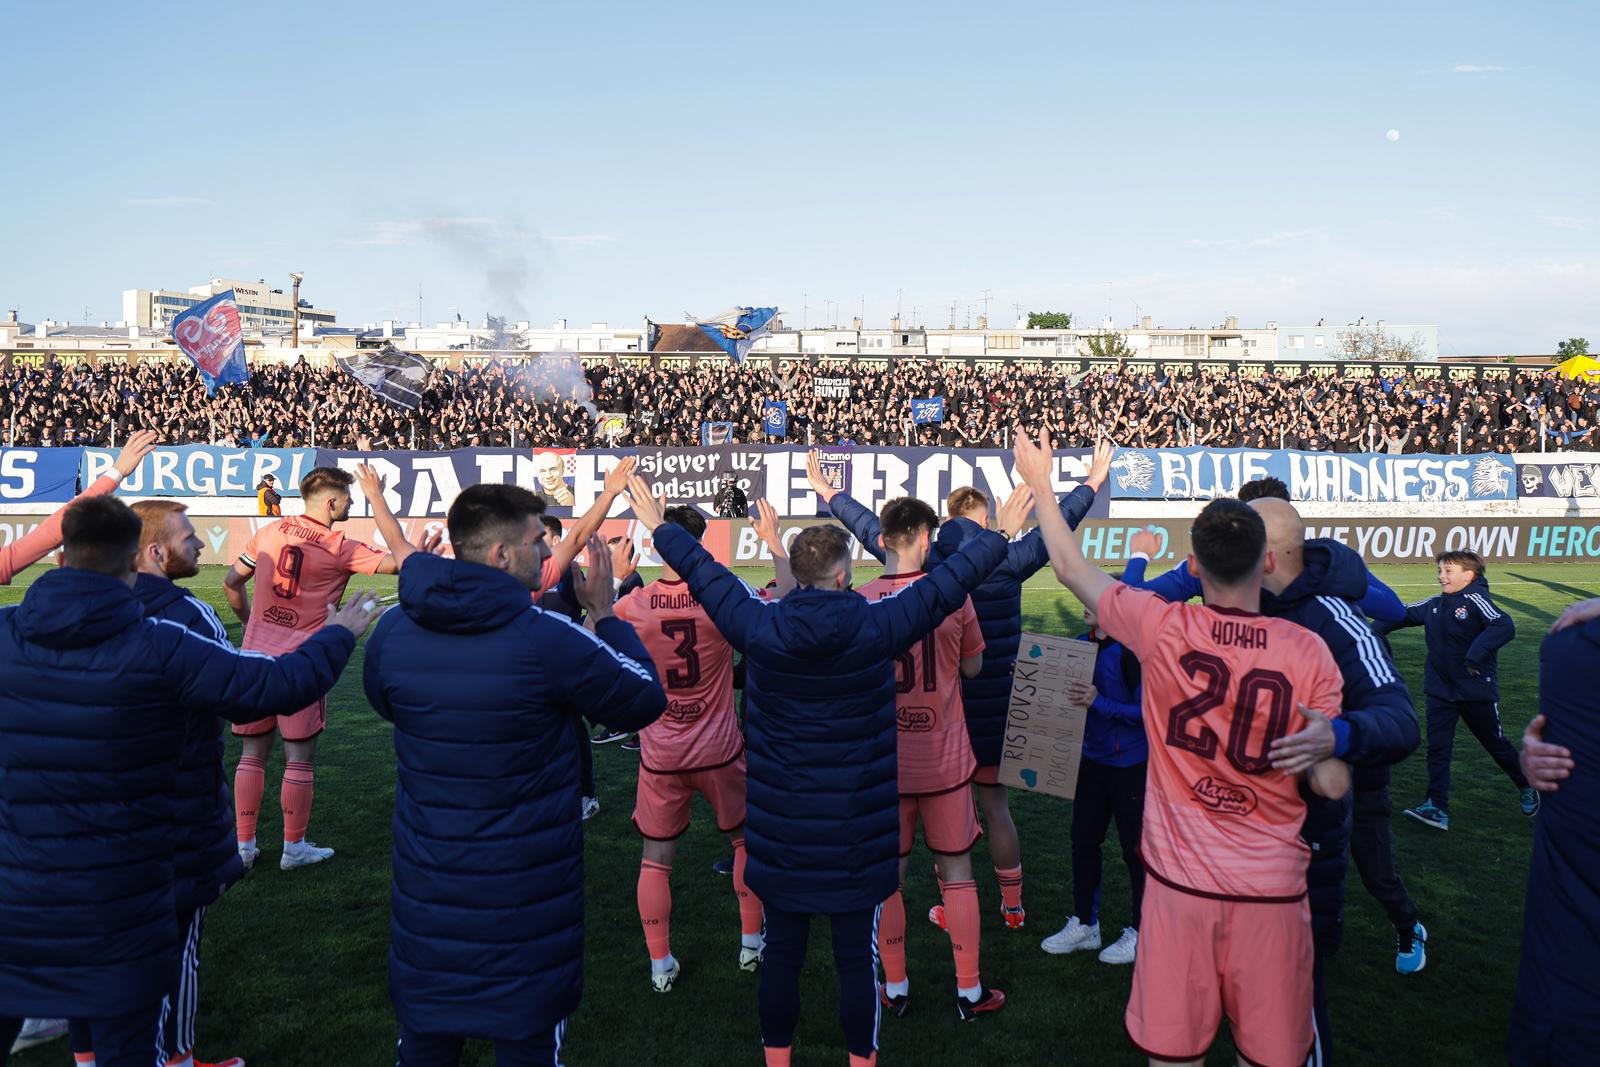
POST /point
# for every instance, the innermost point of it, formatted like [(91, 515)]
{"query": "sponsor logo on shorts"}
[(685, 710), (916, 720), (280, 616), (1225, 797)]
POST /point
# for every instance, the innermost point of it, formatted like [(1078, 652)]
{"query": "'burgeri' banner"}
[(204, 470), (1207, 473)]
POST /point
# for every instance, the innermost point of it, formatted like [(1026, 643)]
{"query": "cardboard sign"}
[(1044, 731)]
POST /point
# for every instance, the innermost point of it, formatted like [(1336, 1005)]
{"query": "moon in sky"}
[(1393, 135)]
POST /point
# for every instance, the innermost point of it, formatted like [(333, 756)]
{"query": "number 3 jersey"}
[(1220, 686), (934, 752), (700, 729), (301, 567)]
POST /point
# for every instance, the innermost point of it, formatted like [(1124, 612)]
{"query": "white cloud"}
[(169, 201), (1565, 222), (1271, 240), (1476, 68), (582, 239)]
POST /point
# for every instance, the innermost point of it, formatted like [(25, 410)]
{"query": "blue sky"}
[(610, 161)]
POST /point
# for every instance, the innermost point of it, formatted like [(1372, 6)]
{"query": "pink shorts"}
[(1202, 958), (661, 803), (302, 725), (987, 775), (949, 821)]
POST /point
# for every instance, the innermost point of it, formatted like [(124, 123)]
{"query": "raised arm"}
[(1175, 586), (1086, 581), (766, 527), (43, 539), (1029, 554), (1381, 602), (611, 676), (857, 518), (586, 527), (393, 536), (1414, 615)]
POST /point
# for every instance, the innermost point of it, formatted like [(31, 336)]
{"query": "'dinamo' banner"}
[(204, 470), (422, 484), (42, 475), (1207, 473)]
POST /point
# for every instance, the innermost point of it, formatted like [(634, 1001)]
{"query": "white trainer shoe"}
[(662, 983), (38, 1032), (591, 808), (750, 958), (302, 854), (1073, 937), (1123, 949), (248, 853)]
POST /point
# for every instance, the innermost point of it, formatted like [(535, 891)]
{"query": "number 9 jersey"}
[(1221, 685)]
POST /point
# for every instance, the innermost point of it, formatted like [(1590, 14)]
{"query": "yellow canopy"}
[(1580, 367)]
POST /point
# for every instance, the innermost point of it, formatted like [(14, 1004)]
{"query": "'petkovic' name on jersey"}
[(672, 601), (1238, 634)]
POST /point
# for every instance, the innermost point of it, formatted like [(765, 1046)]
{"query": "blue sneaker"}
[(1410, 952), (1530, 801), (724, 865), (1429, 815)]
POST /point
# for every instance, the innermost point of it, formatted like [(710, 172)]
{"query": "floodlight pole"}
[(294, 337)]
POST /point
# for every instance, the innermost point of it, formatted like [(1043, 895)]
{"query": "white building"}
[(259, 306)]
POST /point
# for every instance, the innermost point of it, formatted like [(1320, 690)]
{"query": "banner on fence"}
[(43, 475), (1564, 476), (1207, 473), (204, 470), (694, 475)]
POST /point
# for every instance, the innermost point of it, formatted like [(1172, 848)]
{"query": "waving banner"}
[(211, 334), (1207, 473)]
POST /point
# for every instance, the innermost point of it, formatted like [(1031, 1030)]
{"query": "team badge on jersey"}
[(1461, 613)]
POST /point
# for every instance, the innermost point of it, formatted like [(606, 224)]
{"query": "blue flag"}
[(736, 329), (775, 418), (716, 433), (927, 410), (212, 335)]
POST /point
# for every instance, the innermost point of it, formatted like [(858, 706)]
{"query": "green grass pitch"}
[(294, 964)]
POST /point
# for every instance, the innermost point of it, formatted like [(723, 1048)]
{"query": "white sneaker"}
[(1123, 950), (662, 983), (38, 1032), (591, 808), (1072, 937), (248, 853), (302, 854), (750, 958)]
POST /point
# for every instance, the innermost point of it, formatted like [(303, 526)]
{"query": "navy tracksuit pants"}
[(1483, 719), (855, 956)]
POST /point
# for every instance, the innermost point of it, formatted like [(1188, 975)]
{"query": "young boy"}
[(1464, 632)]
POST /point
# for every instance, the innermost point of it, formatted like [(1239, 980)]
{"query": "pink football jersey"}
[(301, 567)]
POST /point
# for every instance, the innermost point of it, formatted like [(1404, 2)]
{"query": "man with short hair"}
[(822, 797), (998, 602), (1225, 924), (936, 766), (483, 687), (300, 565), (94, 707)]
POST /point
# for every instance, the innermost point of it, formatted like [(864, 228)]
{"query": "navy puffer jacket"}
[(92, 713), (206, 849), (822, 822), (998, 602), (486, 928)]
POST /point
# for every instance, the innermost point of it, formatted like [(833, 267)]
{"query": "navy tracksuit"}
[(1111, 779), (1464, 632), (1555, 1019), (823, 828)]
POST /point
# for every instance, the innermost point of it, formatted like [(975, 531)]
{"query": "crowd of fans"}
[(499, 405)]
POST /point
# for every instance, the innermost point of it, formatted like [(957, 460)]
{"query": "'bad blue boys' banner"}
[(39, 475), (1206, 473), (204, 470)]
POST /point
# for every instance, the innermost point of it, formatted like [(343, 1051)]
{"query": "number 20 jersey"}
[(301, 567), (1219, 687), (699, 729)]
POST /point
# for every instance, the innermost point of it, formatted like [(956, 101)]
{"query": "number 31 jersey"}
[(699, 729), (301, 567), (934, 752), (1219, 687)]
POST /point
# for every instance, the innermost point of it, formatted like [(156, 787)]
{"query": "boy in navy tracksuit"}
[(1464, 631), (1110, 786)]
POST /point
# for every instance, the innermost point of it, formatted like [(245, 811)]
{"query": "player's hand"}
[(1582, 611), (819, 484), (646, 508), (1033, 459), (140, 444), (1301, 751), (358, 614), (1082, 694), (624, 560), (1100, 465), (617, 477), (766, 527), (432, 541), (1146, 542), (370, 481), (594, 590), (1015, 511), (1543, 764)]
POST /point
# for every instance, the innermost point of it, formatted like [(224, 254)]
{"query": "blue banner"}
[(205, 470), (736, 330), (212, 335), (39, 475), (716, 433), (927, 410), (775, 418), (1207, 473)]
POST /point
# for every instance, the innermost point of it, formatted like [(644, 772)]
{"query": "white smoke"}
[(554, 377)]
